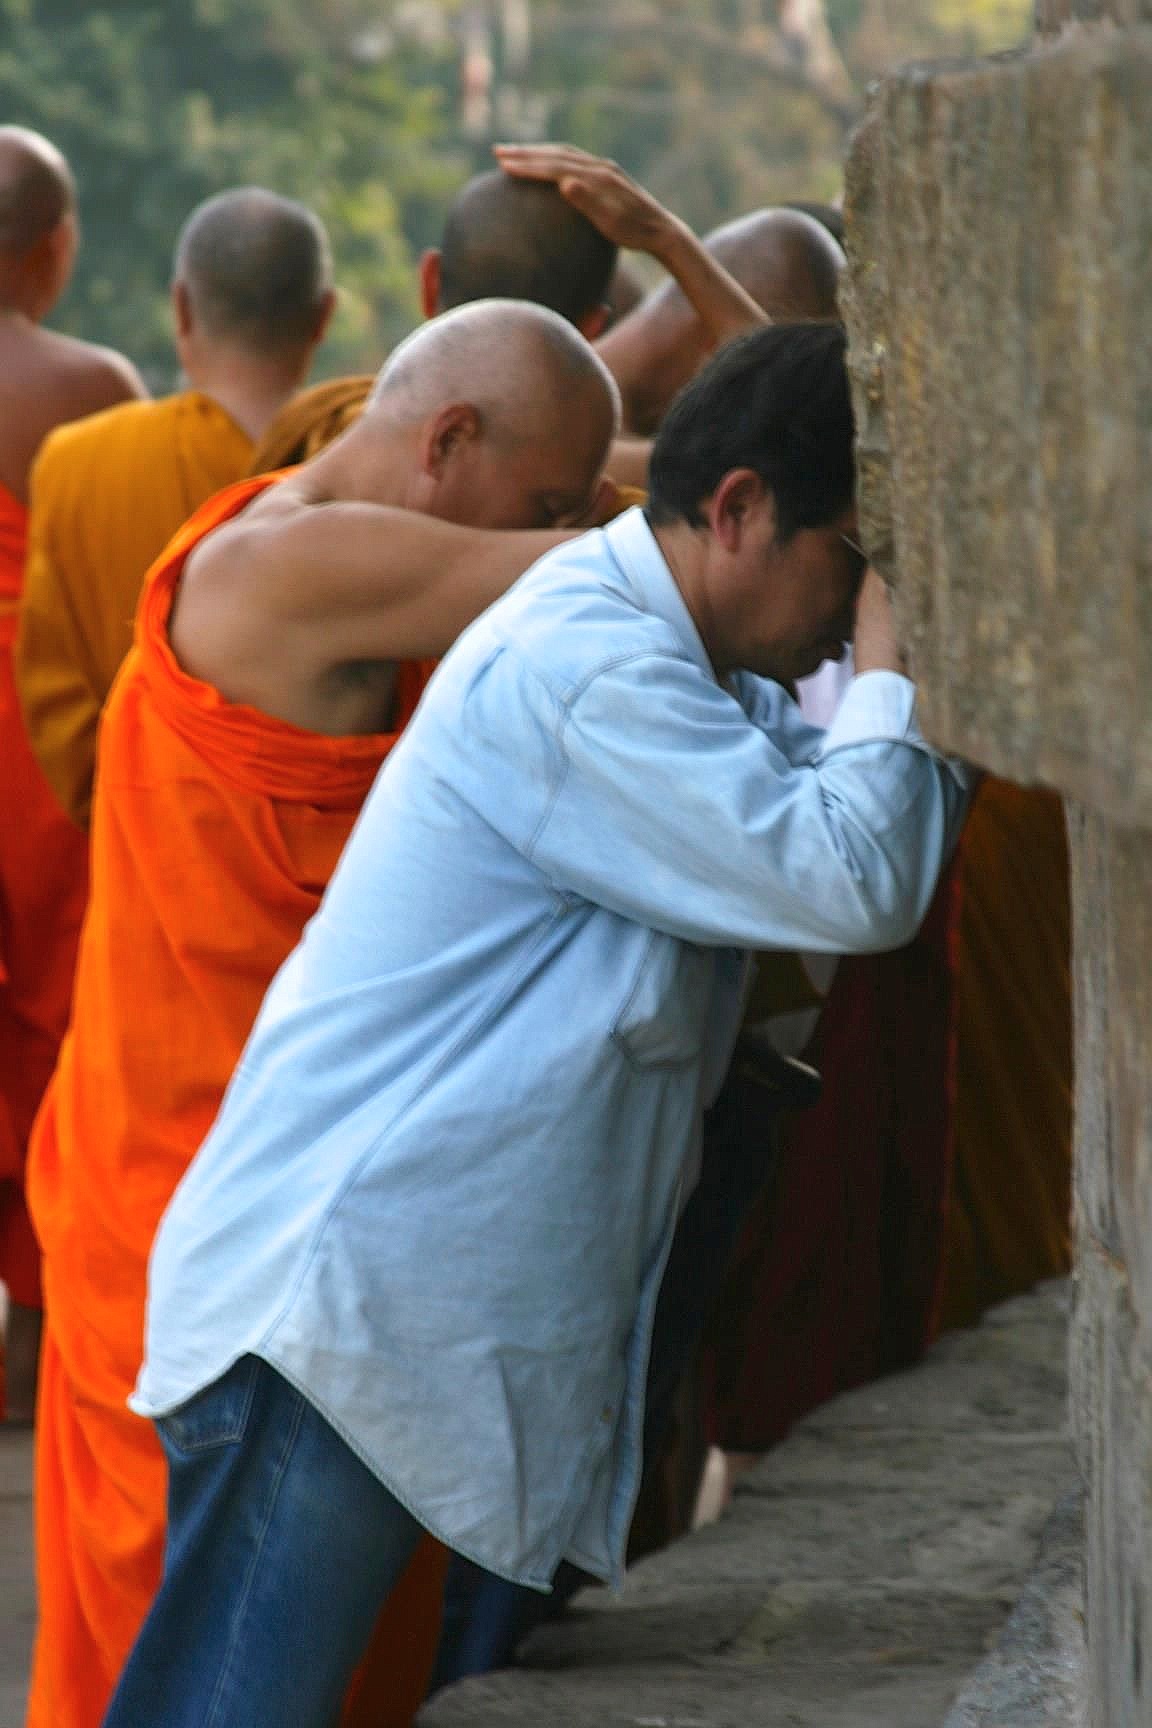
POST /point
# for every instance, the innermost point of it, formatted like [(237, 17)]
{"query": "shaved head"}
[(521, 240), (257, 270), (786, 260), (512, 361), (36, 190)]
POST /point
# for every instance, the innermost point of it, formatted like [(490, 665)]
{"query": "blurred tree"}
[(374, 110), (159, 105)]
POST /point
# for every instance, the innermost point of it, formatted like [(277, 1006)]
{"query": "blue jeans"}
[(282, 1547)]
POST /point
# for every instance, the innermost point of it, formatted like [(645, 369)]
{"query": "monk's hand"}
[(612, 201), (876, 647)]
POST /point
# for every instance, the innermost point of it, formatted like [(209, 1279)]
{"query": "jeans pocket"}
[(217, 1416)]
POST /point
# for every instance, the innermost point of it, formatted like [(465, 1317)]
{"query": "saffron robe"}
[(836, 1276), (310, 422), (43, 882), (107, 494), (1008, 1220), (215, 831)]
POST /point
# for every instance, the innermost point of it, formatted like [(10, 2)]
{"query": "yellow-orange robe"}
[(107, 494), (1007, 1223), (310, 422), (43, 881), (215, 831)]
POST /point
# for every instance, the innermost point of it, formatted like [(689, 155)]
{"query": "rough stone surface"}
[(999, 226), (1112, 1329), (865, 1567), (1036, 1678)]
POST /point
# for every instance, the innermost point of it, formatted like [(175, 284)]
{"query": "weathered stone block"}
[(999, 227), (1112, 1328)]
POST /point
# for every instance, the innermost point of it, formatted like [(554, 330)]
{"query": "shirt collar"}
[(635, 549)]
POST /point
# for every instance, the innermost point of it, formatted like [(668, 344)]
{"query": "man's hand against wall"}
[(875, 644)]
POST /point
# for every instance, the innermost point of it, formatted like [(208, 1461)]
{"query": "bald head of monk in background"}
[(45, 378), (252, 297), (788, 262), (520, 240)]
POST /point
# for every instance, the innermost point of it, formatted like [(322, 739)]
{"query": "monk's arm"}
[(629, 216), (58, 688), (351, 581)]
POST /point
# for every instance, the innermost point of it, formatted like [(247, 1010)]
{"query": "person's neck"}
[(371, 464), (680, 545), (251, 391)]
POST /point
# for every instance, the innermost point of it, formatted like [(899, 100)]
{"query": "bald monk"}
[(276, 660), (789, 264), (45, 380), (251, 298), (544, 230), (503, 239)]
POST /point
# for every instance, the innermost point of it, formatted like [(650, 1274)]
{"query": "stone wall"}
[(1000, 310)]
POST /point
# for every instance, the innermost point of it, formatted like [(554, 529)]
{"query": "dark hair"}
[(509, 239), (256, 267), (777, 402)]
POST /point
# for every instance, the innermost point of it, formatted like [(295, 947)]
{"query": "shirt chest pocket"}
[(664, 1018)]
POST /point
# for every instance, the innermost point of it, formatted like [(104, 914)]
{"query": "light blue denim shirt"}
[(442, 1186)]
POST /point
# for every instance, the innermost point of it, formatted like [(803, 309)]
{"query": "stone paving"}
[(866, 1567), (17, 1600)]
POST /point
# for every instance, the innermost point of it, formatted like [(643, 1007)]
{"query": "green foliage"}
[(353, 106), (158, 106)]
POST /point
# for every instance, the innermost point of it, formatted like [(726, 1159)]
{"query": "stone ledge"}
[(865, 1568), (1037, 1676)]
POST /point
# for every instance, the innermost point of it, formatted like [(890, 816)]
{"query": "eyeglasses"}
[(858, 553)]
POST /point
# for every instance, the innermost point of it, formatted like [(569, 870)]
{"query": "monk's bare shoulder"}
[(48, 380), (90, 374), (221, 608)]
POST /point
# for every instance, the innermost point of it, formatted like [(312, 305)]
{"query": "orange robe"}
[(310, 422), (43, 881), (107, 494), (215, 830), (1007, 1224)]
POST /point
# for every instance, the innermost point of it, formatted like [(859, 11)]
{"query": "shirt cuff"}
[(876, 707)]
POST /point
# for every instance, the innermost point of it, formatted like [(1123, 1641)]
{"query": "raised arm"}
[(326, 585), (628, 215)]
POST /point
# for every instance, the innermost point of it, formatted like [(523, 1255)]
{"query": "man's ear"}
[(448, 431), (182, 315), (430, 282), (739, 493), (593, 324)]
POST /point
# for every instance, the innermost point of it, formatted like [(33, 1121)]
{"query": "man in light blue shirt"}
[(409, 1280)]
